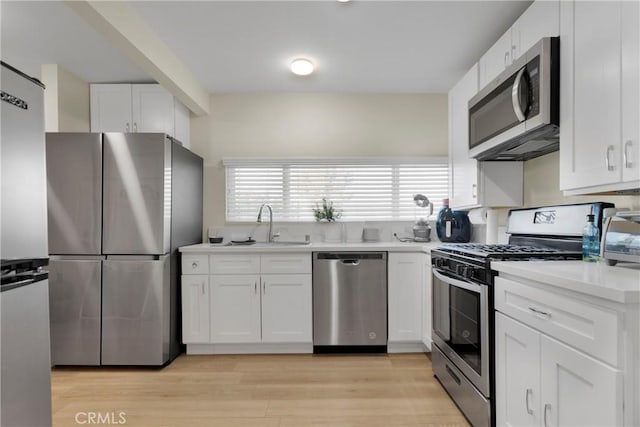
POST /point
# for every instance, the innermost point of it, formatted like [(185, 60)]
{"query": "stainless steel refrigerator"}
[(119, 206), (25, 385)]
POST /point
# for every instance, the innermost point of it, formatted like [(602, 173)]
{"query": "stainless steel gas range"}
[(463, 310)]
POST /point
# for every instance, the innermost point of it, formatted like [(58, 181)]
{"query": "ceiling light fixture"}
[(343, 1), (301, 67)]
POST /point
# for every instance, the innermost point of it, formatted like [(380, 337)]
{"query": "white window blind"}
[(360, 188)]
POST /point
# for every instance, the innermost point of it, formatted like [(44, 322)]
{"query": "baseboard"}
[(253, 348), (407, 347)]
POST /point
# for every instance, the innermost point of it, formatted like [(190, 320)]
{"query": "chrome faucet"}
[(268, 206)]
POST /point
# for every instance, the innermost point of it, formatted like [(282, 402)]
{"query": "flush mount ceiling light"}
[(301, 67)]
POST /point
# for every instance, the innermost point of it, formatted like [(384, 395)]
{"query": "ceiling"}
[(245, 46)]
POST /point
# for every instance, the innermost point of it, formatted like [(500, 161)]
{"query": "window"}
[(362, 189)]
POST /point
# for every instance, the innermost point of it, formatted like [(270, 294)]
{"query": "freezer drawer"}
[(137, 194), (74, 192), (135, 311), (74, 300)]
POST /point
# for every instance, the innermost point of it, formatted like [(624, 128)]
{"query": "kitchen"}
[(393, 122)]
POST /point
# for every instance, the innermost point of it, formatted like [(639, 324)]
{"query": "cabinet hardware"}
[(547, 407), (255, 287), (513, 52), (264, 288), (526, 401), (474, 193), (543, 313), (202, 288), (194, 264), (610, 167), (135, 127), (627, 162), (506, 58), (127, 127)]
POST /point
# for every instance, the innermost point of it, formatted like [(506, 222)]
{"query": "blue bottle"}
[(590, 241)]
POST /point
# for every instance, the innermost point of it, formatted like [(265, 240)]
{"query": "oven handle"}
[(458, 283)]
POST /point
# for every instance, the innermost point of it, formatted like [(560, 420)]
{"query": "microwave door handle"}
[(515, 95)]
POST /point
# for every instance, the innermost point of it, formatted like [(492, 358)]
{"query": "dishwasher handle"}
[(353, 262)]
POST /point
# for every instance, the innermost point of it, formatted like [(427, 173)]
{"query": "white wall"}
[(66, 100), (542, 183), (313, 125)]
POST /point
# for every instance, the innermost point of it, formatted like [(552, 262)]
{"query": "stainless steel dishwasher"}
[(349, 301)]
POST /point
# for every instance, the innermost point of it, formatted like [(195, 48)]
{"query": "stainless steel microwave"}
[(516, 116)]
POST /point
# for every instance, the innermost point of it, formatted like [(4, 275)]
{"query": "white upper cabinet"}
[(111, 108), (138, 108), (496, 59), (540, 20), (599, 97), (630, 91), (152, 108), (463, 170), (472, 183)]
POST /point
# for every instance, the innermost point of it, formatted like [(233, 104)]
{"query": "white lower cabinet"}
[(578, 390), (406, 298), (235, 308), (517, 374), (543, 382), (195, 308), (286, 308), (426, 302), (239, 302)]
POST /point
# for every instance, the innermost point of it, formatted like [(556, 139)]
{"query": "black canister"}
[(452, 226)]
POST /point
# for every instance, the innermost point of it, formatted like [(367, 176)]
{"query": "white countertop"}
[(620, 283), (313, 247)]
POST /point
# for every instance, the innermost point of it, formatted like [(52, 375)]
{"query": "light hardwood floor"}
[(260, 390)]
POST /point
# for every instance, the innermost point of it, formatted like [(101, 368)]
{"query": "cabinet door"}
[(195, 309), (590, 148), (405, 297), (630, 91), (235, 308), (578, 390), (286, 308), (495, 60), (463, 171), (517, 374), (111, 108), (426, 301), (152, 109), (540, 20)]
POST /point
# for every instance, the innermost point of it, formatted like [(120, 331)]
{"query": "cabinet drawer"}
[(195, 264), (285, 264), (234, 264), (587, 327)]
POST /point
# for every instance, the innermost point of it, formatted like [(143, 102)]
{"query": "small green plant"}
[(326, 212)]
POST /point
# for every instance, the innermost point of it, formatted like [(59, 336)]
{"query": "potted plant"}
[(326, 212)]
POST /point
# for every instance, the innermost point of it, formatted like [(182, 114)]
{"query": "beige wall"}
[(313, 125), (66, 100), (541, 186)]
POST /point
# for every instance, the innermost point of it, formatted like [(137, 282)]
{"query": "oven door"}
[(461, 326)]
